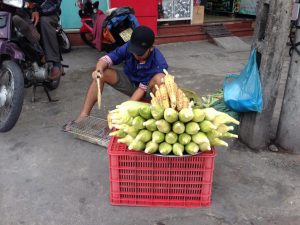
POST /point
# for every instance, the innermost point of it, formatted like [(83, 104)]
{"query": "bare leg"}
[(109, 77)]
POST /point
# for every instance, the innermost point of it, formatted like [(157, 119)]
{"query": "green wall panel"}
[(70, 18)]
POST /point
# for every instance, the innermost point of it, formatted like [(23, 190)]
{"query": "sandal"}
[(67, 126)]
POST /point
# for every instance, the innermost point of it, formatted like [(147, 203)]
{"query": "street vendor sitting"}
[(143, 69)]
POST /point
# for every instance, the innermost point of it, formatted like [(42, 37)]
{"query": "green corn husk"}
[(206, 126), (199, 115), (223, 119), (184, 139), (123, 126), (200, 138), (144, 136), (223, 128), (126, 140), (192, 148), (158, 137), (229, 135), (130, 104), (157, 112), (151, 147), (145, 112), (171, 137), (164, 148), (119, 124), (210, 113), (178, 127), (131, 130), (121, 118), (212, 134), (192, 128), (138, 122), (170, 115), (186, 115), (163, 126), (178, 149), (118, 133), (219, 104), (218, 142), (133, 111), (150, 125), (136, 145), (132, 107), (204, 147)]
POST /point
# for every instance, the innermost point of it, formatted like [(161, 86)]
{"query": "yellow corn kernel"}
[(164, 96), (179, 99), (186, 102), (154, 100), (175, 88), (158, 95), (171, 88)]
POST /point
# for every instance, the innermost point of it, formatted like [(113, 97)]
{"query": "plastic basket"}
[(140, 179)]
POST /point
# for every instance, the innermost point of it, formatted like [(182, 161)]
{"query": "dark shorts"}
[(126, 86)]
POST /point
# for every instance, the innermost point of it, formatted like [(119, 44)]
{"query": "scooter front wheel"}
[(11, 94), (87, 37), (64, 42)]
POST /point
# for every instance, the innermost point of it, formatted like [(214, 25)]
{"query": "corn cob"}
[(179, 99), (185, 103), (171, 88), (154, 100), (158, 95), (175, 88), (164, 96)]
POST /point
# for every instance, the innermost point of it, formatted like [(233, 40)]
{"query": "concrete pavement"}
[(49, 178)]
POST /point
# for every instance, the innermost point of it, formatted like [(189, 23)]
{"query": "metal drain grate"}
[(217, 30), (91, 129)]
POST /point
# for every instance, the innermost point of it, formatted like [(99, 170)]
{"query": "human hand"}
[(35, 18), (97, 73)]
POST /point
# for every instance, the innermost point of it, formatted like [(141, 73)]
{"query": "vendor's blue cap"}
[(142, 38)]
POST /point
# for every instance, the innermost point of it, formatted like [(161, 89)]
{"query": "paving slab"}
[(232, 44)]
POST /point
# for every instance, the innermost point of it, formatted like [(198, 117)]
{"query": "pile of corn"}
[(169, 95), (169, 125)]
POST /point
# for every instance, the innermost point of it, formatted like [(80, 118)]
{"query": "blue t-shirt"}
[(137, 72)]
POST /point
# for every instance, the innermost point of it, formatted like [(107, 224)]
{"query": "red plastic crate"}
[(140, 179)]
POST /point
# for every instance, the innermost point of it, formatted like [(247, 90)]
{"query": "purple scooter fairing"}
[(8, 47), (11, 49)]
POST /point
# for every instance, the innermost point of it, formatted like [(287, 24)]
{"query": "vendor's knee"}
[(110, 76), (156, 79)]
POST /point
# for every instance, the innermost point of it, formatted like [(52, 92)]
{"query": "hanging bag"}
[(243, 93)]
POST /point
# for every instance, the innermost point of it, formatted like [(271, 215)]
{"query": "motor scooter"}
[(22, 65), (117, 26), (88, 12)]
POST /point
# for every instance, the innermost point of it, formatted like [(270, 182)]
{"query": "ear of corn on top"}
[(168, 95)]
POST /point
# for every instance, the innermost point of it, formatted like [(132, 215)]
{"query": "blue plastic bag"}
[(243, 93)]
